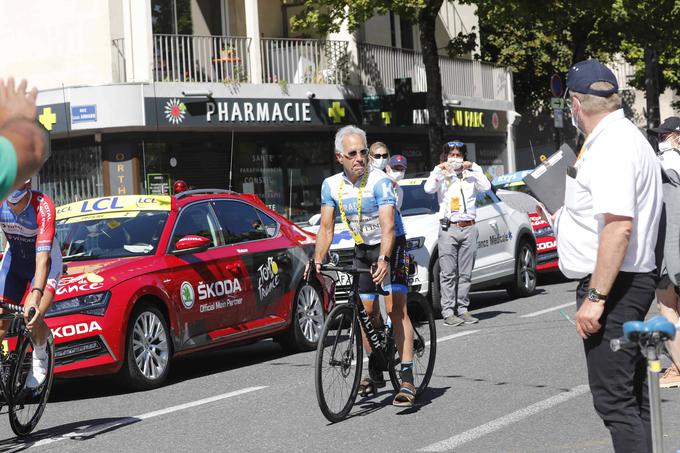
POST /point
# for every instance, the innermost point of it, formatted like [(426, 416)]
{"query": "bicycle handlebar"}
[(346, 269), (17, 309)]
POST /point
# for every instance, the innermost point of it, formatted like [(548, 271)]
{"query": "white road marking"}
[(547, 310), (494, 425), (443, 339), (89, 430)]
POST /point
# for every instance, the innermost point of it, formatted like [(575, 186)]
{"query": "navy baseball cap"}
[(397, 161), (672, 124), (585, 73)]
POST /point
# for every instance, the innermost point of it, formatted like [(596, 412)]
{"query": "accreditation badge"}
[(357, 237), (455, 204)]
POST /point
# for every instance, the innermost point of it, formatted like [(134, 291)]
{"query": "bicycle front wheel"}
[(424, 346), (338, 363), (27, 405)]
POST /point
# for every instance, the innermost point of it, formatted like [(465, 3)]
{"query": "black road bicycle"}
[(25, 405), (339, 354)]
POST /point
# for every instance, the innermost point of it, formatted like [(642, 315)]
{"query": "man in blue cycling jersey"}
[(364, 198), (31, 266)]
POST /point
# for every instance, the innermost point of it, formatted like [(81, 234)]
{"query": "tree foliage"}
[(538, 40)]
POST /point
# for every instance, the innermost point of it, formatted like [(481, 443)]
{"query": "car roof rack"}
[(187, 193)]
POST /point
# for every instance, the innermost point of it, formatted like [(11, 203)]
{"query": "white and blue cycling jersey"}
[(378, 192)]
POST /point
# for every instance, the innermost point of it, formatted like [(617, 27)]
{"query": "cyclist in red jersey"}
[(31, 266)]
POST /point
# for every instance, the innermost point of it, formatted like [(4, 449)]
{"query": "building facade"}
[(221, 93)]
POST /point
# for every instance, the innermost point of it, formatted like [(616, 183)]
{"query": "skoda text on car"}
[(152, 277), (512, 189), (506, 248)]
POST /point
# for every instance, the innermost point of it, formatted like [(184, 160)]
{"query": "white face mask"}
[(456, 161), (666, 145), (380, 164), (397, 175), (574, 122)]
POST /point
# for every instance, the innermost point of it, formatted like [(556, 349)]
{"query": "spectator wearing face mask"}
[(379, 155), (396, 170), (456, 181)]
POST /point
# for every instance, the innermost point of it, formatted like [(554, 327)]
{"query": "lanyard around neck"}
[(356, 235)]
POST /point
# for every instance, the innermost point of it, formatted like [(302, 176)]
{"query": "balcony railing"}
[(304, 61), (118, 60), (187, 58), (380, 65)]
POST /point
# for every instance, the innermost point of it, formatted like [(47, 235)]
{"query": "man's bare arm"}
[(324, 237), (613, 244), (30, 147)]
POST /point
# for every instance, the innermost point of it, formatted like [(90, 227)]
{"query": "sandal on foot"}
[(369, 386), (406, 395)]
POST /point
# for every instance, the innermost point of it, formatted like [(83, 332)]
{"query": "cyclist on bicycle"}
[(365, 199), (32, 257)]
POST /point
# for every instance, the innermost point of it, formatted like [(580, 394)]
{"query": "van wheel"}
[(524, 281), (147, 349)]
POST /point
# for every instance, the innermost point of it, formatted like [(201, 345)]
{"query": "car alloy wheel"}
[(150, 345), (528, 269), (309, 313)]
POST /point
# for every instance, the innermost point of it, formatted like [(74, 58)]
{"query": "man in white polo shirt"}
[(606, 234)]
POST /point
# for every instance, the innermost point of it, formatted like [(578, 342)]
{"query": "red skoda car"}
[(152, 277)]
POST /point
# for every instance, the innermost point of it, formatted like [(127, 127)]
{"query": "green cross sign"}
[(387, 117), (336, 111)]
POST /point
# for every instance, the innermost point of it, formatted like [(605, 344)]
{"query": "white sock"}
[(39, 351)]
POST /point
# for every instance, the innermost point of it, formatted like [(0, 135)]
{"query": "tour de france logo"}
[(269, 277), (175, 111), (187, 295)]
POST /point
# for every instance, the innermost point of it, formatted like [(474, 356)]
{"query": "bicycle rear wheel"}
[(27, 405), (424, 346), (338, 363)]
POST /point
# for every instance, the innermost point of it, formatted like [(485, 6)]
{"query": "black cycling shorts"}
[(396, 280)]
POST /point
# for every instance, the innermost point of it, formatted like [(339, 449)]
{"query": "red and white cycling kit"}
[(28, 233)]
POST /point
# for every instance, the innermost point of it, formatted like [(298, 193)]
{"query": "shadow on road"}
[(86, 429), (492, 314), (182, 369), (499, 383), (369, 405)]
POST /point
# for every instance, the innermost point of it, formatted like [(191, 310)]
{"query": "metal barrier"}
[(380, 65), (188, 58), (304, 61)]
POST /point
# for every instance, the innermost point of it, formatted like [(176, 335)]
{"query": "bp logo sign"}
[(187, 295)]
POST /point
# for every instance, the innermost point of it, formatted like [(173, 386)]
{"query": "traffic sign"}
[(556, 85), (556, 103)]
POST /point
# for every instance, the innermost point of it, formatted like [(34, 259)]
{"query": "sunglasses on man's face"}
[(353, 154), (455, 144), (380, 156)]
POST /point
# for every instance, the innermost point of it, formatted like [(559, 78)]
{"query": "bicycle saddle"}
[(632, 330)]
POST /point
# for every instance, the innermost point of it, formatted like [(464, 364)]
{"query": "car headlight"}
[(414, 243), (89, 304)]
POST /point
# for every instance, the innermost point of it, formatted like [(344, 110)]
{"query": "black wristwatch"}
[(595, 296)]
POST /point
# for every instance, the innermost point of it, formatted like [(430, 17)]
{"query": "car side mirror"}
[(314, 220), (191, 243)]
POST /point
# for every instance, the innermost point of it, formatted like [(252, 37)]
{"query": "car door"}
[(493, 243), (192, 278), (267, 256)]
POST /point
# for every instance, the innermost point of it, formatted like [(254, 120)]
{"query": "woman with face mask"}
[(379, 155), (456, 181)]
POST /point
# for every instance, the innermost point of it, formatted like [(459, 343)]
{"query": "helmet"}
[(180, 186)]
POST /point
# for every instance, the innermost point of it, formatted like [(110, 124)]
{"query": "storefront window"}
[(72, 173)]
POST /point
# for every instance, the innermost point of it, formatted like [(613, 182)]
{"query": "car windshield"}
[(134, 233), (417, 202)]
